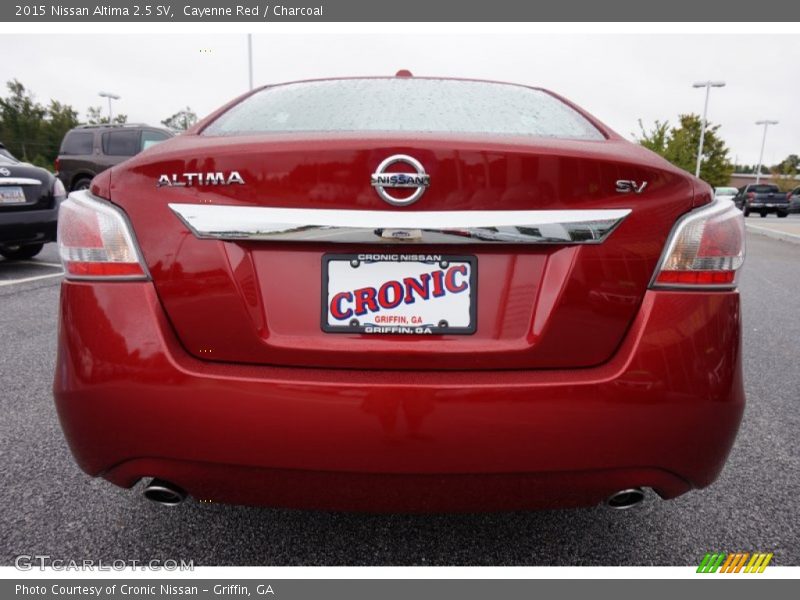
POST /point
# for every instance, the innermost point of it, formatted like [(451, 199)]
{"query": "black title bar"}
[(254, 11)]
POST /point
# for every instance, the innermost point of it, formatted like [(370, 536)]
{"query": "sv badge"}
[(625, 186)]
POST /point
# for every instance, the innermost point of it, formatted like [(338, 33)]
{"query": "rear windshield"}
[(763, 189), (404, 105)]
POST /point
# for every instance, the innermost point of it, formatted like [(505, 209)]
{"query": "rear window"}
[(78, 143), (121, 143), (763, 189), (404, 105)]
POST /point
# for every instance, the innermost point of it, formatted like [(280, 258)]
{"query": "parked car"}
[(762, 198), (91, 149), (4, 152), (725, 193), (492, 301), (29, 201), (794, 200)]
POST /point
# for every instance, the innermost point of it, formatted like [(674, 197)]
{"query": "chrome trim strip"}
[(19, 181), (214, 221)]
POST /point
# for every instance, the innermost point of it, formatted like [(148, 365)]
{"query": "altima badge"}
[(185, 179), (419, 180)]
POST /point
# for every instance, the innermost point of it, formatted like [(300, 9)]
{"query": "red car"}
[(400, 294)]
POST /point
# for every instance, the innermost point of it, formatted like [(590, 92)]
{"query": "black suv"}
[(762, 198), (90, 149)]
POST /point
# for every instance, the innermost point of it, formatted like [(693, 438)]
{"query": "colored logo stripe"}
[(758, 563), (711, 562), (726, 568), (733, 563)]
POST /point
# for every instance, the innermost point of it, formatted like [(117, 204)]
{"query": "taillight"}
[(705, 249), (95, 240), (59, 193), (57, 164)]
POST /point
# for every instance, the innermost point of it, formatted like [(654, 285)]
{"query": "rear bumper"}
[(769, 206), (29, 226), (662, 413)]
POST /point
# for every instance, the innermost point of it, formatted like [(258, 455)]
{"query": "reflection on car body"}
[(492, 323)]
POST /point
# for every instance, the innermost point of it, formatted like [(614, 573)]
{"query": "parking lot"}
[(51, 507)]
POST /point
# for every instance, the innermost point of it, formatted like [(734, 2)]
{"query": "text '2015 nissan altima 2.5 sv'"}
[(400, 294)]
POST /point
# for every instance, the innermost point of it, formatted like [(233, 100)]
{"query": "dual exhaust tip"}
[(168, 494), (164, 493), (625, 499)]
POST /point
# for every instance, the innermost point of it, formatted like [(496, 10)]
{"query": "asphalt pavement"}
[(50, 507)]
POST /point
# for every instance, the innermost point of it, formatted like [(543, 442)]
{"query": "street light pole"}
[(766, 123), (250, 58), (708, 85), (110, 97)]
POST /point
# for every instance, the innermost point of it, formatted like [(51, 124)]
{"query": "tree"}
[(21, 118), (750, 169), (94, 116), (181, 120), (655, 139), (60, 119), (784, 174), (679, 146), (30, 130), (790, 162)]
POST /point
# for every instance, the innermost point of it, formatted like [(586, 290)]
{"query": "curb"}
[(777, 235)]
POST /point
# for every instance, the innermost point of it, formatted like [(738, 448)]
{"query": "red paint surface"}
[(539, 307), (578, 382), (663, 412)]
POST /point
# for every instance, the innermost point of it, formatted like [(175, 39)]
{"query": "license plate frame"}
[(429, 260), (17, 199)]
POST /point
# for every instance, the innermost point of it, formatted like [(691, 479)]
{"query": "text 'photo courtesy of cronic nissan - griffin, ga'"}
[(551, 308)]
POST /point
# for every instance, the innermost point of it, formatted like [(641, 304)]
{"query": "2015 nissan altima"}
[(403, 294)]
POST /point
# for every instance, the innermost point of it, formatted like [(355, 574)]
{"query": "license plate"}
[(409, 294), (12, 195)]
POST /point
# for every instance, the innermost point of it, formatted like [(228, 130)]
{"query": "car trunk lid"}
[(555, 303)]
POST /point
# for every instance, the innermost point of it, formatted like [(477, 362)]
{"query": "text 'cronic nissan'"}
[(400, 294)]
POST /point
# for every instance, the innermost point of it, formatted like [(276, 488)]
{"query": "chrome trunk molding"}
[(19, 181), (214, 221)]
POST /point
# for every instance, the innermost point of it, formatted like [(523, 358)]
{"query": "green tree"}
[(31, 131), (679, 146), (94, 116), (181, 120), (790, 162), (21, 120), (60, 119), (656, 139), (784, 174)]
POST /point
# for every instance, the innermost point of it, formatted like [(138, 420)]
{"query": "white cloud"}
[(617, 78)]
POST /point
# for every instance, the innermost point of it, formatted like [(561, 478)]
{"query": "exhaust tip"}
[(164, 493), (625, 499)]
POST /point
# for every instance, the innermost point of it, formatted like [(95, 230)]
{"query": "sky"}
[(617, 78)]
